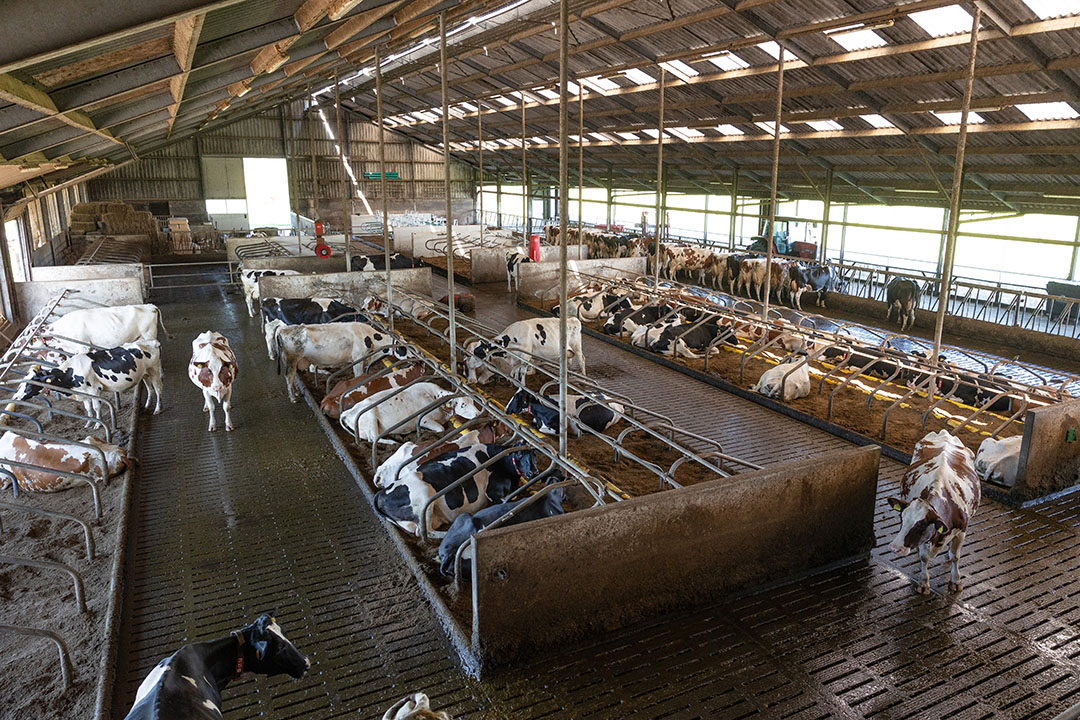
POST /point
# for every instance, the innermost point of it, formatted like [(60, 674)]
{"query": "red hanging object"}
[(322, 249)]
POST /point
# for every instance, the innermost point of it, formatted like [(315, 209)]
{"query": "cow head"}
[(414, 707), (115, 456), (267, 651), (521, 400), (479, 352), (523, 462), (919, 523), (465, 408), (53, 377)]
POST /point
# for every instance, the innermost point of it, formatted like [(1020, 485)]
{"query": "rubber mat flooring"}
[(226, 526)]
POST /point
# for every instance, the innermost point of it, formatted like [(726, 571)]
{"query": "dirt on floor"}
[(31, 687), (462, 266), (852, 407)]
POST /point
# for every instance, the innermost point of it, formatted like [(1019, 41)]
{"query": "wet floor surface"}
[(226, 526)]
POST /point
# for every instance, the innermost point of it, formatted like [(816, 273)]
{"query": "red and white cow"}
[(65, 457), (349, 392), (939, 494), (414, 707), (213, 370), (683, 257)]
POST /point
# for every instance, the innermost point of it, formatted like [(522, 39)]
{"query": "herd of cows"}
[(479, 470)]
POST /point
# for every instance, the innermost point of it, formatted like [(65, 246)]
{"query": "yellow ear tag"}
[(896, 507), (941, 529)]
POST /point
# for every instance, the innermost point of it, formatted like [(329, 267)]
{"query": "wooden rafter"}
[(186, 33)]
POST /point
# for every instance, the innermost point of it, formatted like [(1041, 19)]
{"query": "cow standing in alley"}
[(213, 370), (249, 282), (279, 312), (96, 372), (939, 494), (817, 278), (902, 295), (187, 685), (326, 346), (514, 257), (66, 457)]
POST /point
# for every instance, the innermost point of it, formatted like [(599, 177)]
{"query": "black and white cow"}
[(630, 319), (367, 263), (187, 685), (117, 369), (279, 312), (583, 409), (599, 305), (514, 257), (403, 502), (816, 278), (527, 339), (249, 282), (902, 295), (468, 524), (682, 339)]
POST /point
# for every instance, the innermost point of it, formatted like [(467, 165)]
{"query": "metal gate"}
[(166, 276)]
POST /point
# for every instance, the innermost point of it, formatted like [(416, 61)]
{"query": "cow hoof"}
[(955, 587), (228, 428), (923, 589), (206, 409)]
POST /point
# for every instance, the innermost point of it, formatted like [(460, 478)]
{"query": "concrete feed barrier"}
[(32, 296), (489, 263), (545, 583), (345, 284), (542, 279), (50, 273), (1049, 453)]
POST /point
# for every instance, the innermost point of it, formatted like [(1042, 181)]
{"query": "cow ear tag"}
[(896, 507), (1070, 435), (940, 529)]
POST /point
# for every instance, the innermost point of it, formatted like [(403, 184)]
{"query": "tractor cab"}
[(791, 236)]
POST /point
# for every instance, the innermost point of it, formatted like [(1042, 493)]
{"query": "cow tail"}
[(277, 350), (168, 335)]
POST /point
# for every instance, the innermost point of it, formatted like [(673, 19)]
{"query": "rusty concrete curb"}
[(107, 666)]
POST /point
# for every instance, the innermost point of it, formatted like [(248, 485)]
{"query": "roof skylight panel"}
[(942, 21), (598, 83), (1047, 9), (549, 94), (686, 133), (729, 129), (503, 100), (467, 107), (953, 118), (678, 67), (825, 125), (599, 136), (639, 77), (628, 135), (877, 121), (767, 126), (1048, 111), (853, 40), (771, 47), (727, 61)]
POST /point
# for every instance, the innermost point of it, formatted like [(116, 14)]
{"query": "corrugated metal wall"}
[(173, 173)]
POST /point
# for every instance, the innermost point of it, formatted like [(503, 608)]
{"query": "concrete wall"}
[(1049, 462), (304, 264), (91, 272), (549, 582), (965, 327), (32, 296), (542, 279), (345, 284), (489, 264)]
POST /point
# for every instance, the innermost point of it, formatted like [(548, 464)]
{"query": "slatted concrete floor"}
[(227, 526)]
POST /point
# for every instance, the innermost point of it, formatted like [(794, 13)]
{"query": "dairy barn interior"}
[(507, 359)]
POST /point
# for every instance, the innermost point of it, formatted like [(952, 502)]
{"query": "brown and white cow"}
[(349, 392), (939, 494), (683, 257), (65, 457), (213, 369)]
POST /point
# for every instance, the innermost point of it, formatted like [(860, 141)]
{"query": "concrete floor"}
[(226, 526)]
